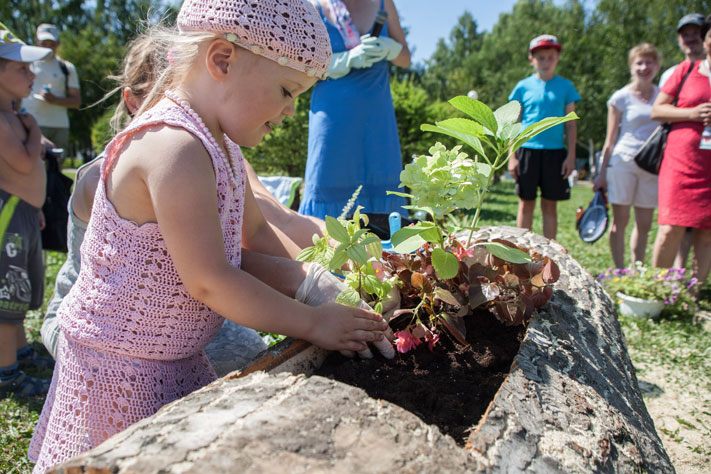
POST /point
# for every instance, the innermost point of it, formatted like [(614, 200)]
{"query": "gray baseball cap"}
[(690, 19), (47, 32), (14, 49)]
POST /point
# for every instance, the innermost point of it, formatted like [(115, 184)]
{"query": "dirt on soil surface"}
[(681, 409), (450, 387)]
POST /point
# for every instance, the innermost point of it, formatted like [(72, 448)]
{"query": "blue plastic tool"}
[(394, 221)]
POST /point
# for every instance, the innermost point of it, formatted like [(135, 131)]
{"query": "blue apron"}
[(353, 141)]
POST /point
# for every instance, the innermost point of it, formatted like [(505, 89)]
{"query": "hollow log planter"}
[(571, 403)]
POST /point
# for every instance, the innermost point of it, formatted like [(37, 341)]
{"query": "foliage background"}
[(596, 36)]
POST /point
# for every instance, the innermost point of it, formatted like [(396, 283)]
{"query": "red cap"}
[(544, 41)]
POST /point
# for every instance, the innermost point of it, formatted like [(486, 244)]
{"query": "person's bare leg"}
[(8, 344), (640, 234), (666, 245), (550, 218), (683, 254), (702, 256), (620, 218), (524, 218)]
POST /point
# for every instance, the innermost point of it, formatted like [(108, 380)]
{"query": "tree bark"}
[(571, 403)]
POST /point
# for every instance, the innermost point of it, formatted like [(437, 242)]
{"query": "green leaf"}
[(371, 284), (410, 245), (378, 308), (462, 125), (432, 235), (445, 263), (540, 126), (358, 233), (507, 114), (358, 254), (396, 193), (348, 297), (470, 140), (479, 111), (338, 260), (510, 131), (504, 252), (306, 255), (409, 232), (337, 230)]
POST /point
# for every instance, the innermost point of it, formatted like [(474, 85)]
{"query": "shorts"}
[(541, 168), (21, 265), (58, 136), (630, 185)]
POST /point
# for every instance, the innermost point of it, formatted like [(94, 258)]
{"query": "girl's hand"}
[(600, 182), (339, 327)]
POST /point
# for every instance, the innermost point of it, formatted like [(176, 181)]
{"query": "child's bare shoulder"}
[(165, 144)]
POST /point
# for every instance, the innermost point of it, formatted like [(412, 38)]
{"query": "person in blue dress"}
[(353, 137)]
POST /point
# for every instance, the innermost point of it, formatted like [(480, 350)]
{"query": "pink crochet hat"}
[(289, 32)]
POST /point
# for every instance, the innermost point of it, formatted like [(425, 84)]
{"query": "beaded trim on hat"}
[(289, 32)]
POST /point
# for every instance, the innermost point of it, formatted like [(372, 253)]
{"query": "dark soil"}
[(450, 387)]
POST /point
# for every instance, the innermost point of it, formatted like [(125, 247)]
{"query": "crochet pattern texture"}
[(132, 337)]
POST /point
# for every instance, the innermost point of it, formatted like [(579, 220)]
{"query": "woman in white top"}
[(629, 124)]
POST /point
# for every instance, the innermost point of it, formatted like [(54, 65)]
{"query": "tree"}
[(94, 35)]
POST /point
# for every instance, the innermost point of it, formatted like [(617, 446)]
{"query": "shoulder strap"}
[(65, 70), (676, 99)]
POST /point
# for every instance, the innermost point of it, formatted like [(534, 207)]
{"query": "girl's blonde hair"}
[(142, 63), (646, 50), (179, 52)]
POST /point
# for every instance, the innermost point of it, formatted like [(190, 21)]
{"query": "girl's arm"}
[(664, 111), (614, 118), (396, 32), (297, 227), (85, 189), (262, 236), (180, 186)]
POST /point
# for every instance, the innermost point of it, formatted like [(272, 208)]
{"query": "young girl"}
[(234, 346), (162, 253), (629, 124)]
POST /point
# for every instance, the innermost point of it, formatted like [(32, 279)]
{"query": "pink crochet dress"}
[(132, 337)]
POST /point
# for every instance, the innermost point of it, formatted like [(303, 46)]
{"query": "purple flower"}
[(692, 282)]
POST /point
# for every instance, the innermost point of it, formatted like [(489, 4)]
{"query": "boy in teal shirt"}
[(543, 161)]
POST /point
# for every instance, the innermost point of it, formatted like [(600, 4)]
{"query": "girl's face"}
[(259, 94), (644, 68)]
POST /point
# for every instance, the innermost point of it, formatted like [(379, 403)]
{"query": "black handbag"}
[(54, 234), (650, 154)]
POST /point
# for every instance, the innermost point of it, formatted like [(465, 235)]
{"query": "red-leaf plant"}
[(511, 291)]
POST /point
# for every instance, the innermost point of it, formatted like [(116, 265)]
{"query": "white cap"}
[(14, 49), (47, 32)]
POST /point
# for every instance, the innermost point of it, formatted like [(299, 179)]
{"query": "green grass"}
[(672, 342)]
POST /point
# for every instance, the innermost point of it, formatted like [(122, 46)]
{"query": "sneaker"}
[(35, 361), (23, 385)]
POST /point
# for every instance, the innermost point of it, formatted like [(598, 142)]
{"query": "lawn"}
[(672, 356)]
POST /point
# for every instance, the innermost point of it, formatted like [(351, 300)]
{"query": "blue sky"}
[(430, 20)]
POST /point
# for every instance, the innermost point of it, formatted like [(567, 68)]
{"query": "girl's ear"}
[(133, 103), (220, 55)]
